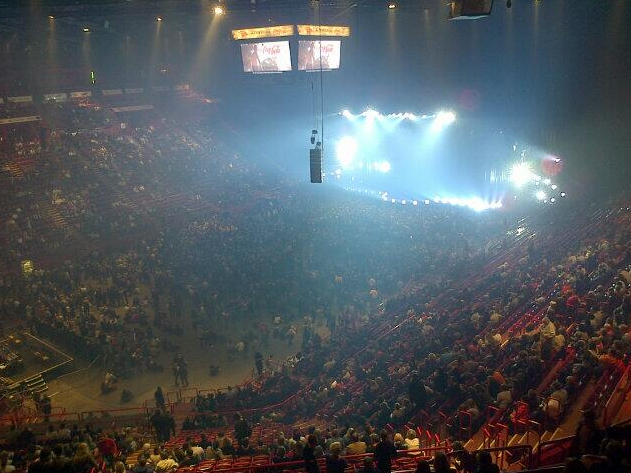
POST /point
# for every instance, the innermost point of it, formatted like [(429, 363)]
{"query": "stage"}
[(25, 357)]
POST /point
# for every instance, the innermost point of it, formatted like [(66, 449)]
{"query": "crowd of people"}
[(73, 449), (394, 315)]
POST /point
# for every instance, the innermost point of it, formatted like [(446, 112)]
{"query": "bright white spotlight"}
[(404, 201), (521, 174), (442, 119), (415, 202), (541, 195), (553, 187), (383, 166), (426, 201), (218, 10), (447, 117), (547, 182), (371, 114), (346, 149), (552, 200), (562, 194)]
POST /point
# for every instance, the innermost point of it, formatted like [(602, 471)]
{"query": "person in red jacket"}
[(108, 449)]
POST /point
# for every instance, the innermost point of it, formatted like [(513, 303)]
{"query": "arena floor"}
[(79, 391), (38, 356)]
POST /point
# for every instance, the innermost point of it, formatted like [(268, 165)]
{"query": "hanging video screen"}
[(266, 57), (309, 53)]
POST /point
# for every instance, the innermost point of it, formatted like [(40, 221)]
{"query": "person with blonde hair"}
[(399, 443), (334, 462), (411, 440), (119, 467), (83, 459)]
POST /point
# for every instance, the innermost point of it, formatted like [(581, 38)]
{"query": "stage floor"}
[(39, 356)]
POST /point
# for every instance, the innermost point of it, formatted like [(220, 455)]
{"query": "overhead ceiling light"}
[(86, 29), (218, 10), (391, 6), (51, 17), (159, 18)]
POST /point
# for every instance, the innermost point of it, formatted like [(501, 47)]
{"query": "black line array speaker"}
[(315, 161)]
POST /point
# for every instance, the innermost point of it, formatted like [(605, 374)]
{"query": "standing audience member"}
[(309, 456), (385, 453)]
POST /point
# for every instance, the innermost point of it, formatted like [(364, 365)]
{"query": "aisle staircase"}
[(54, 215)]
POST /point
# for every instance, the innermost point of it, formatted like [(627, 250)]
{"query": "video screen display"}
[(266, 57), (309, 55)]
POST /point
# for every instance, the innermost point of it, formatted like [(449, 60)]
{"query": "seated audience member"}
[(368, 466), (441, 464), (83, 459), (142, 466), (356, 446), (423, 467), (411, 440), (334, 462), (166, 463), (485, 463)]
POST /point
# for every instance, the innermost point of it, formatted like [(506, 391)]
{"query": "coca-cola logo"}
[(271, 50)]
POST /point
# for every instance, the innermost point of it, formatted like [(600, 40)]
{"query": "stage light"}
[(391, 6), (218, 10), (552, 200), (159, 18), (540, 195), (442, 119), (477, 204), (447, 116), (394, 201), (370, 114), (383, 166), (404, 201), (51, 17), (562, 194), (346, 149), (415, 202), (553, 187), (426, 201), (86, 29), (521, 174), (547, 182)]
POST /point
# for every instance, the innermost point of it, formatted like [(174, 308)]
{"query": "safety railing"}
[(502, 454), (495, 435), (465, 424), (555, 451), (617, 397)]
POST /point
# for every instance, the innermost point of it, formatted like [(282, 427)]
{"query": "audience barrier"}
[(406, 460)]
